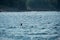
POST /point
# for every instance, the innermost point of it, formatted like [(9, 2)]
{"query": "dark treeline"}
[(30, 4), (19, 4)]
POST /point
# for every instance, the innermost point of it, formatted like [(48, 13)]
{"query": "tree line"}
[(31, 4)]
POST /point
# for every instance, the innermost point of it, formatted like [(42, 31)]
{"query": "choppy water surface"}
[(30, 26)]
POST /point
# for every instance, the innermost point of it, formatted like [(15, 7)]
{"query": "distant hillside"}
[(32, 5)]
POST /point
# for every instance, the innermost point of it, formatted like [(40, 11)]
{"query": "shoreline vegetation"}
[(29, 5)]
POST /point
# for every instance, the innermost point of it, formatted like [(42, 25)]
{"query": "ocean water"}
[(30, 25)]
